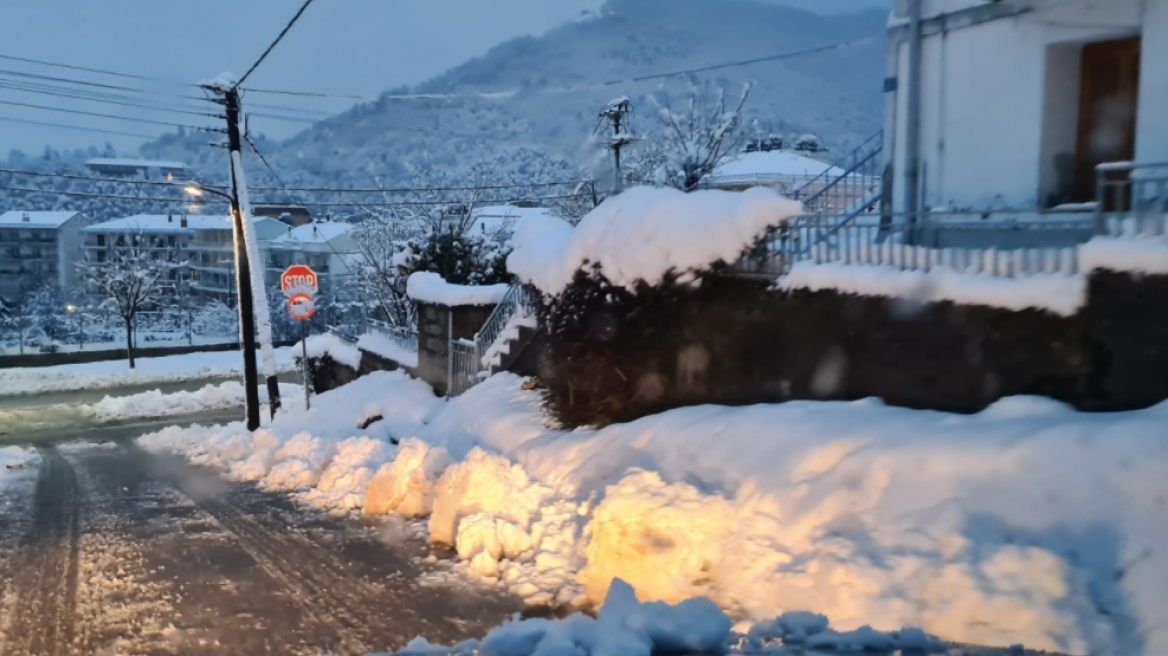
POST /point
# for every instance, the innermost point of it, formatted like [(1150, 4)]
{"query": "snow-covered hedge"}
[(646, 233), (1026, 523), (427, 287), (328, 344)]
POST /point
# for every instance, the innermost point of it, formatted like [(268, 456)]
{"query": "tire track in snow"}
[(43, 599)]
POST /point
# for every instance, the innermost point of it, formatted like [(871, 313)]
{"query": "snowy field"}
[(1028, 523), (109, 374)]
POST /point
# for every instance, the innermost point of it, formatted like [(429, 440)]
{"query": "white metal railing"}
[(406, 338), (471, 360)]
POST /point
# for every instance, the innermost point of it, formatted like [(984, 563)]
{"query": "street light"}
[(72, 309), (198, 190)]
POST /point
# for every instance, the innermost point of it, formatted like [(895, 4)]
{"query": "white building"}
[(211, 253), (780, 169), (1020, 100), (325, 246), (36, 248), (493, 220)]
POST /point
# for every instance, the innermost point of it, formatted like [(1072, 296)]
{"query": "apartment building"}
[(326, 246), (211, 254), (38, 247)]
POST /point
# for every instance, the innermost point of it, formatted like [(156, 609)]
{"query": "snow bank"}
[(1146, 254), (1027, 523), (334, 347), (378, 344), (645, 233), (627, 627), (1058, 293), (322, 454), (427, 287), (116, 373)]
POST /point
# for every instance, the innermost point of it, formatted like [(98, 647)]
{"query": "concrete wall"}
[(105, 355), (735, 343), (1000, 100), (437, 325)]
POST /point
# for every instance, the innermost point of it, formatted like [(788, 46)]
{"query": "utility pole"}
[(228, 96), (616, 113)]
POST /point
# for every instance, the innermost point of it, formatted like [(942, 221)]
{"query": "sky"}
[(339, 46)]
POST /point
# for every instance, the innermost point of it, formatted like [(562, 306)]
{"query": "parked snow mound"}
[(645, 233), (1028, 523), (406, 486), (1148, 255), (328, 344), (1058, 293), (427, 287), (627, 627), (321, 453)]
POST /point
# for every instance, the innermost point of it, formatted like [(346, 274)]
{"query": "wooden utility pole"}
[(616, 113)]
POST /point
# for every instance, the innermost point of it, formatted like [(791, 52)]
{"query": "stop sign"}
[(299, 277)]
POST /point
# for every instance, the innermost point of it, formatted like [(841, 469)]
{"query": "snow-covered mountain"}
[(544, 129), (835, 94)]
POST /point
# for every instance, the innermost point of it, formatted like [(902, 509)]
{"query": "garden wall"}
[(613, 356), (437, 325)]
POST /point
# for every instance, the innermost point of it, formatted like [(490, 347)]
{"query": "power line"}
[(406, 190), (83, 194), (122, 103), (29, 60), (479, 201), (509, 93), (86, 178), (74, 127), (279, 37), (111, 116)]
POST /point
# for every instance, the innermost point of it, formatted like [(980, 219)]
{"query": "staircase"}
[(836, 198), (498, 344)]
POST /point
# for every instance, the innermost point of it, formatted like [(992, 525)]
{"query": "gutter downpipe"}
[(912, 140)]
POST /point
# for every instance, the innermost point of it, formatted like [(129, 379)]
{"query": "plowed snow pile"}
[(1027, 523)]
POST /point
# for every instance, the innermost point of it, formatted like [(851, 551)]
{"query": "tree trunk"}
[(130, 340)]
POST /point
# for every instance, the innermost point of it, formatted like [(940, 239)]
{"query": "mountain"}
[(836, 94)]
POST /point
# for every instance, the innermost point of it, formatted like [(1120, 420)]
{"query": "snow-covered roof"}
[(135, 163), (762, 165), (161, 223), (490, 219), (319, 232), (15, 218)]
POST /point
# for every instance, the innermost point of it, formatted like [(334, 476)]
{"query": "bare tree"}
[(698, 137), (137, 272)]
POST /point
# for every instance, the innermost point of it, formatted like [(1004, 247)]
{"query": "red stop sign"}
[(299, 276)]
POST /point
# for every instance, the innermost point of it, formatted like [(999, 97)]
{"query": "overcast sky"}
[(340, 46)]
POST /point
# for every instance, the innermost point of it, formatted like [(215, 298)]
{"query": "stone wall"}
[(612, 356)]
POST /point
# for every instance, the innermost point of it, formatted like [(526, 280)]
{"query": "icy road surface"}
[(107, 549)]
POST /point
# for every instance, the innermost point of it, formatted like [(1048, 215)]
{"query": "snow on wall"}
[(1061, 294), (428, 287), (1008, 526), (645, 233), (1148, 255), (331, 345), (378, 344)]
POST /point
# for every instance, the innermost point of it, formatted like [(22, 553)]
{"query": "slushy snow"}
[(646, 233), (1027, 523)]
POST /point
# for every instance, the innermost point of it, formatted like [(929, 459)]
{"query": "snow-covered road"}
[(105, 548)]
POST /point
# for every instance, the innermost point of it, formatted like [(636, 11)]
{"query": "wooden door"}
[(1107, 109)]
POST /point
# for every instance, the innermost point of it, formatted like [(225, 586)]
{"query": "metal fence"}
[(464, 367), (406, 338), (849, 186)]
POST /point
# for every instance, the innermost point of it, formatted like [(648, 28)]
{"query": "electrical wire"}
[(122, 103), (111, 116), (29, 60), (85, 194), (86, 178), (406, 190), (11, 119), (509, 93), (279, 37)]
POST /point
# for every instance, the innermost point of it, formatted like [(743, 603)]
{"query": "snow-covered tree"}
[(697, 135), (139, 272)]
